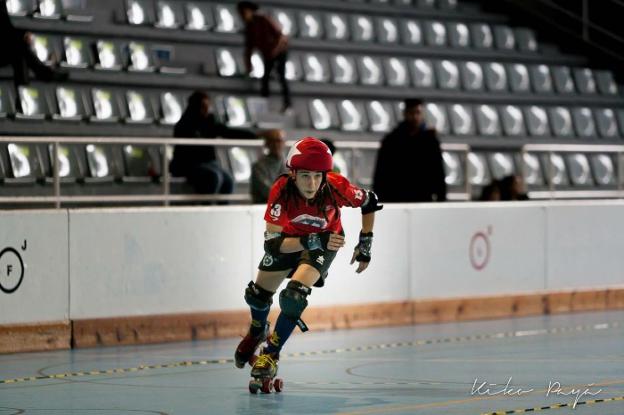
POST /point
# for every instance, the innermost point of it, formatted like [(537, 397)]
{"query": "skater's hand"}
[(362, 252), (335, 242)]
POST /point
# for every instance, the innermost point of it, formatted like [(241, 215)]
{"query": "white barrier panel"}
[(466, 250), (33, 267), (585, 245), (153, 261)]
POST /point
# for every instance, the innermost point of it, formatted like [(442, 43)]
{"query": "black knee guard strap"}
[(257, 297), (293, 300)]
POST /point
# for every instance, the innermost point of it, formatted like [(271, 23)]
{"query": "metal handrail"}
[(166, 197), (576, 148)]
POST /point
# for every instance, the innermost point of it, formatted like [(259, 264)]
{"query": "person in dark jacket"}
[(262, 33), (409, 163), (15, 50), (199, 163)]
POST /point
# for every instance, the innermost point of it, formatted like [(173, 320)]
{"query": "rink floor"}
[(424, 369)]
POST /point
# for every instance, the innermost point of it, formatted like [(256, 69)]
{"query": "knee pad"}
[(293, 299), (257, 297)]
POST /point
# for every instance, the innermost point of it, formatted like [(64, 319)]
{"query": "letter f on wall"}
[(9, 269)]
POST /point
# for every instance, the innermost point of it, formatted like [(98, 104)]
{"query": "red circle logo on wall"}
[(479, 250)]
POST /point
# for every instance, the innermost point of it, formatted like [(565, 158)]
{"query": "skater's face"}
[(308, 182)]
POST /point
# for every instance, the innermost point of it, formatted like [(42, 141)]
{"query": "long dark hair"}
[(290, 194)]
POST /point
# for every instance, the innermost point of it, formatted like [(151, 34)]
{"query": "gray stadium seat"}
[(105, 105), (478, 171), (45, 47), (512, 120), (435, 33), (459, 34), (370, 70), (24, 163), (447, 4), (425, 3), (139, 12), (101, 164), (561, 122), (606, 83), (20, 7), (537, 121), (423, 75), (562, 76), (531, 169), (606, 122), (579, 169), (462, 119), (387, 30), (287, 19), (70, 104), (235, 112), (198, 16), (380, 116), (323, 114), (69, 167), (411, 32), (555, 169), (7, 103), (310, 25), (396, 72), (447, 74), (501, 165), (344, 69), (33, 103), (619, 114), (471, 76), (519, 77), (495, 76), (169, 15), (315, 67), (109, 57), (226, 18), (257, 66), (336, 26), (139, 108), (504, 38), (240, 161), (481, 35), (437, 118), (584, 122), (229, 62), (488, 120), (141, 163), (541, 79), (403, 2), (584, 79), (603, 169), (294, 71), (77, 53), (171, 107), (140, 58), (362, 28), (525, 39), (453, 168), (352, 115)]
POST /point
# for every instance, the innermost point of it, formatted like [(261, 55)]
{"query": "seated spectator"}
[(15, 50), (491, 192), (409, 163), (512, 188), (269, 167), (199, 163)]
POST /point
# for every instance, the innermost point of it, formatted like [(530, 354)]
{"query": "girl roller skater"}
[(303, 234)]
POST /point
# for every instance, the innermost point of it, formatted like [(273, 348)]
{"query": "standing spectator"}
[(199, 163), (262, 33), (269, 167), (15, 50), (409, 162)]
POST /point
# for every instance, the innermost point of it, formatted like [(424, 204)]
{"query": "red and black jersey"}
[(299, 216)]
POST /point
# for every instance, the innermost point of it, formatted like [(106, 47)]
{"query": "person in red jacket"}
[(262, 33), (303, 234)]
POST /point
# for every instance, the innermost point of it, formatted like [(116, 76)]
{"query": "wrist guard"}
[(363, 248)]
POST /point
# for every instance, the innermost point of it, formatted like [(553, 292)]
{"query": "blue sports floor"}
[(425, 369)]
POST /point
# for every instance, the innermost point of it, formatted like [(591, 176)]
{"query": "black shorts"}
[(320, 260)]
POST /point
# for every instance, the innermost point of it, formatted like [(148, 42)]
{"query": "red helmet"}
[(309, 153)]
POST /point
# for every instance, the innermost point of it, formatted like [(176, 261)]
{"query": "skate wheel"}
[(254, 386), (278, 384), (267, 386)]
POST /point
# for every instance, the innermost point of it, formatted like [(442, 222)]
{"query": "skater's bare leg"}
[(271, 280)]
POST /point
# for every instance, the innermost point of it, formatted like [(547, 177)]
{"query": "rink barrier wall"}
[(148, 275)]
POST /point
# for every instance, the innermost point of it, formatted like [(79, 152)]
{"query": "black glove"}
[(315, 241), (363, 248)]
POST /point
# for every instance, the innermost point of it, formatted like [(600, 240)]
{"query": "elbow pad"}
[(273, 242), (371, 204)]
